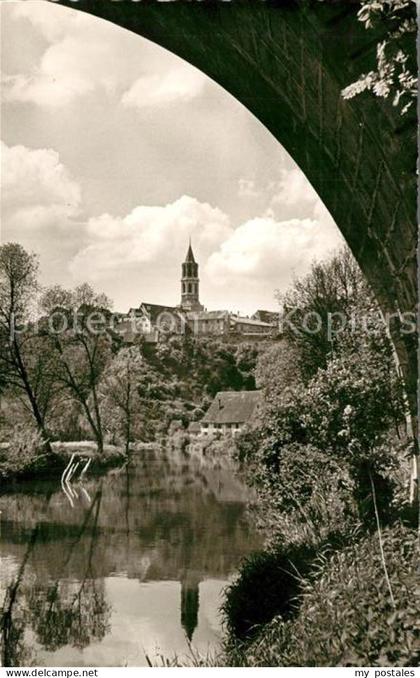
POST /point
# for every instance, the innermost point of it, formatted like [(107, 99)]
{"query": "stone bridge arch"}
[(287, 62)]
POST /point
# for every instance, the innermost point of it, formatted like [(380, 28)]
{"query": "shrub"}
[(267, 585), (23, 451), (309, 500), (346, 616)]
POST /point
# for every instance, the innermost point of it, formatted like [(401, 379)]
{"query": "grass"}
[(193, 658)]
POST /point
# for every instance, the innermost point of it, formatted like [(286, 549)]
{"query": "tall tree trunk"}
[(128, 416), (39, 419), (73, 386), (99, 434)]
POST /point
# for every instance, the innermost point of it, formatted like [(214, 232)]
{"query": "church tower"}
[(190, 283)]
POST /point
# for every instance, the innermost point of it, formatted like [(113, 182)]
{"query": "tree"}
[(318, 306), (120, 401), (78, 326), (24, 365), (330, 401), (317, 445), (396, 69)]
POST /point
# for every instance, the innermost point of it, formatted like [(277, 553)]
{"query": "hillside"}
[(172, 381), (179, 378)]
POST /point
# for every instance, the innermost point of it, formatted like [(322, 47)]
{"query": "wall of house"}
[(212, 429)]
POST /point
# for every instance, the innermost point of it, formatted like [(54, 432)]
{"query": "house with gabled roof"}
[(230, 411), (167, 319), (269, 317), (250, 326)]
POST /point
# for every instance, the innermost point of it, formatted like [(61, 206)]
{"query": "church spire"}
[(190, 283), (190, 254)]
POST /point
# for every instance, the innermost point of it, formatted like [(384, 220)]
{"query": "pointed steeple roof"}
[(190, 255)]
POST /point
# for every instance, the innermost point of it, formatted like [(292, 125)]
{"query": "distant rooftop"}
[(154, 310), (208, 315), (249, 321), (267, 316)]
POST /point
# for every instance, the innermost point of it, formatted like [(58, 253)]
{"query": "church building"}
[(155, 320), (190, 284)]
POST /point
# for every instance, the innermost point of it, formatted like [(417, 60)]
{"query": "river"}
[(125, 567)]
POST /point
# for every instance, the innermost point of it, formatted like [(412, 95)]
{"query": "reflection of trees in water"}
[(13, 618), (190, 601), (61, 615), (173, 517), (15, 651), (157, 519), (61, 612), (68, 613)]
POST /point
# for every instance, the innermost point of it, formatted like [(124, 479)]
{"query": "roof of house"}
[(194, 427), (249, 321), (232, 407), (266, 316), (154, 310), (208, 315), (137, 312)]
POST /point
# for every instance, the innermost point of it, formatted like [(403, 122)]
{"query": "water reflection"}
[(136, 572), (189, 604)]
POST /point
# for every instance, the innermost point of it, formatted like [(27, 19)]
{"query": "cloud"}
[(37, 189), (42, 203), (179, 84), (78, 61), (149, 235), (68, 62), (247, 189), (292, 188), (287, 197), (270, 250), (43, 88), (247, 263), (84, 54), (51, 23)]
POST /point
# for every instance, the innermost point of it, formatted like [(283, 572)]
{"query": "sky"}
[(115, 151)]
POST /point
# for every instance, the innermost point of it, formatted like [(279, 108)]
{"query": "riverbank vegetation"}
[(330, 458), (345, 615)]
